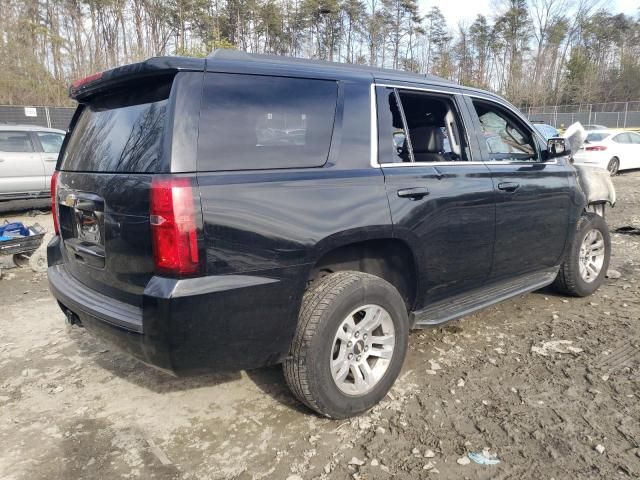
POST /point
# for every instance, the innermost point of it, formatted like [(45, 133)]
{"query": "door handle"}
[(508, 186), (415, 193)]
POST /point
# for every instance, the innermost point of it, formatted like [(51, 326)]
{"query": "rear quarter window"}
[(252, 122)]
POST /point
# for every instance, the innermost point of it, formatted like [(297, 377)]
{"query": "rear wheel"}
[(349, 345), (613, 166), (587, 262)]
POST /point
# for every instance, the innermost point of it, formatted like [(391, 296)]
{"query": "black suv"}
[(244, 210)]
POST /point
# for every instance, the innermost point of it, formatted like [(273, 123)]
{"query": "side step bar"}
[(466, 303)]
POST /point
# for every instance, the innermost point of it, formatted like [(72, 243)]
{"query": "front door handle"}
[(508, 186), (415, 193)]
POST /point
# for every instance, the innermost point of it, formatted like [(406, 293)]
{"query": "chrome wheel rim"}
[(613, 166), (592, 253), (362, 349)]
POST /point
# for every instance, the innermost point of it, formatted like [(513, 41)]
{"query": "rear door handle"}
[(508, 186), (415, 193)]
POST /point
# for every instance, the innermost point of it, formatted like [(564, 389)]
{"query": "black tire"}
[(324, 307), (613, 166), (569, 281)]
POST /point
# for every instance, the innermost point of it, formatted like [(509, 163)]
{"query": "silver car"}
[(28, 155)]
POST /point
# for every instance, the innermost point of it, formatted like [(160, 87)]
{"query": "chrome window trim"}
[(374, 127)]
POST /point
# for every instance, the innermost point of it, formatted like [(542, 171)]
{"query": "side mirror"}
[(558, 147)]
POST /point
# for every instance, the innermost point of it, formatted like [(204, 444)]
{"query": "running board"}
[(466, 303)]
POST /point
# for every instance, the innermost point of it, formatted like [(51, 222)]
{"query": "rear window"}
[(596, 137), (259, 122), (120, 132)]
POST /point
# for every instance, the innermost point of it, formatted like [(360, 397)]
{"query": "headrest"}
[(427, 140)]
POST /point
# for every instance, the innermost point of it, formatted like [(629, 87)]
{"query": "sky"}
[(466, 10)]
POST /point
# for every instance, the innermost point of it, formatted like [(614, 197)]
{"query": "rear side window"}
[(596, 137), (18, 142), (120, 132), (622, 138), (258, 122)]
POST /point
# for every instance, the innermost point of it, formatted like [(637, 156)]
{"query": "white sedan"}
[(611, 149)]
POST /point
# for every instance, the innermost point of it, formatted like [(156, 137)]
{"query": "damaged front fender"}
[(597, 187)]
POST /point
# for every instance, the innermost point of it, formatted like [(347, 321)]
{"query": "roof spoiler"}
[(82, 89)]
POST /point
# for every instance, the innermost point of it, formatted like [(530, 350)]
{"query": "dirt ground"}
[(71, 407)]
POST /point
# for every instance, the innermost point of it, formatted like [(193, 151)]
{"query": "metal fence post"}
[(46, 112), (626, 110), (590, 109)]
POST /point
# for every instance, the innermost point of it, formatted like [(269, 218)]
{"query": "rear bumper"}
[(221, 323)]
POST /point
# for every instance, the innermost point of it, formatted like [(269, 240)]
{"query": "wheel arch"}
[(385, 256)]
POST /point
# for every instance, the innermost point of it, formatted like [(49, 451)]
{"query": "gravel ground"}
[(549, 385)]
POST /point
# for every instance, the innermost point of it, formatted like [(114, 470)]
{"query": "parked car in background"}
[(594, 127), (28, 157), (245, 210), (614, 150), (547, 131)]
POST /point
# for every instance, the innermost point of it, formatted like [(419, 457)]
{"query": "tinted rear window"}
[(596, 137), (259, 122), (121, 132)]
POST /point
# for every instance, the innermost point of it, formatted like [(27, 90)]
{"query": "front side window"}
[(259, 122), (51, 142), (506, 138), (16, 142)]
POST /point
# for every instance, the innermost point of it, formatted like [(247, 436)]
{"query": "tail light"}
[(174, 227), (54, 201), (596, 148), (86, 80)]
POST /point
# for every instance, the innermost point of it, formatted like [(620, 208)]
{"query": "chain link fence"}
[(610, 115), (52, 117)]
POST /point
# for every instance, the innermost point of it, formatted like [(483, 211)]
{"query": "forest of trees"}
[(534, 52)]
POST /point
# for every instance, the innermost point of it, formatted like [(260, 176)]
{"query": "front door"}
[(442, 202), (533, 198), (21, 169)]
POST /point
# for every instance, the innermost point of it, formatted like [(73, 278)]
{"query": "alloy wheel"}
[(592, 252), (362, 349)]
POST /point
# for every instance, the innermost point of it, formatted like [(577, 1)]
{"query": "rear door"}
[(50, 144), (533, 199), (116, 145), (21, 169), (441, 199)]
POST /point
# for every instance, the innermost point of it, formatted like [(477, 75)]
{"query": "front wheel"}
[(349, 344), (587, 261)]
